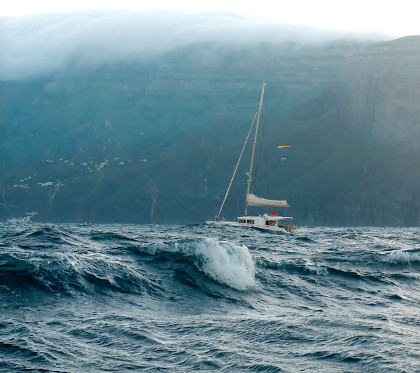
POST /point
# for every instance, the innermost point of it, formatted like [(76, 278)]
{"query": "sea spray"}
[(223, 261), (402, 257)]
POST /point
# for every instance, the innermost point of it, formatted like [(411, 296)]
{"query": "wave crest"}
[(402, 257), (227, 263)]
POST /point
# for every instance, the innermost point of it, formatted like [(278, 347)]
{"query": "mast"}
[(253, 148)]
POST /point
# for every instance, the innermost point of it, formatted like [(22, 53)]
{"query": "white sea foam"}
[(25, 219), (402, 257), (226, 263), (315, 268)]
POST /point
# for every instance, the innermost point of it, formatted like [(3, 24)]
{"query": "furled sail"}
[(253, 200)]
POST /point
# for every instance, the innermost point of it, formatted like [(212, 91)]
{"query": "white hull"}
[(274, 228)]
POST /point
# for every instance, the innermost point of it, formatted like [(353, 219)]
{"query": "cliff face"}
[(157, 141), (387, 106)]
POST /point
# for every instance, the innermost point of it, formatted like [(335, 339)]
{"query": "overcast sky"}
[(395, 17), (40, 37)]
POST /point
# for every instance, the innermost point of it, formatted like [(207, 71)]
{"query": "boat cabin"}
[(266, 221)]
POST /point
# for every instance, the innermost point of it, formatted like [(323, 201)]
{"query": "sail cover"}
[(253, 200)]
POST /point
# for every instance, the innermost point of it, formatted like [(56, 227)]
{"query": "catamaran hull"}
[(262, 227)]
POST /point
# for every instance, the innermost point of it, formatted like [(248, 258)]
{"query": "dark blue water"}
[(113, 298)]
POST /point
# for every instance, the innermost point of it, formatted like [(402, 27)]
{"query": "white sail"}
[(253, 200)]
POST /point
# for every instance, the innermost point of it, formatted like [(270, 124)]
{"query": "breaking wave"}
[(225, 262), (402, 257), (122, 297), (53, 260)]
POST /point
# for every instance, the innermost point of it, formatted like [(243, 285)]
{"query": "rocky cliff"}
[(157, 140)]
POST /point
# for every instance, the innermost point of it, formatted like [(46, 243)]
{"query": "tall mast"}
[(253, 149)]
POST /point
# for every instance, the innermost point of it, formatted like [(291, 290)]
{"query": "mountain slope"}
[(157, 141)]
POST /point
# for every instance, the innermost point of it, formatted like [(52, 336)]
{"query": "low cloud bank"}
[(43, 44)]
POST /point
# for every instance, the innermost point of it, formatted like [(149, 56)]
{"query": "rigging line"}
[(236, 168), (262, 160), (266, 165), (251, 165), (258, 157)]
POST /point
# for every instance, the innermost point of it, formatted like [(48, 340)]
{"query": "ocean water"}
[(197, 298)]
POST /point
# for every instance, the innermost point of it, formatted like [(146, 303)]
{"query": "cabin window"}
[(241, 220), (250, 221)]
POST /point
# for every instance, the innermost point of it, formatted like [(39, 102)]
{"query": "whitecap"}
[(402, 257), (225, 262), (315, 268)]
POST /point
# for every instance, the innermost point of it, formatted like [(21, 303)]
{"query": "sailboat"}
[(269, 221)]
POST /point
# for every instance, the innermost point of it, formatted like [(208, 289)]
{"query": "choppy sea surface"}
[(115, 298)]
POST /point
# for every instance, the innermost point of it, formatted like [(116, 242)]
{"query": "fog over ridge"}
[(43, 44)]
